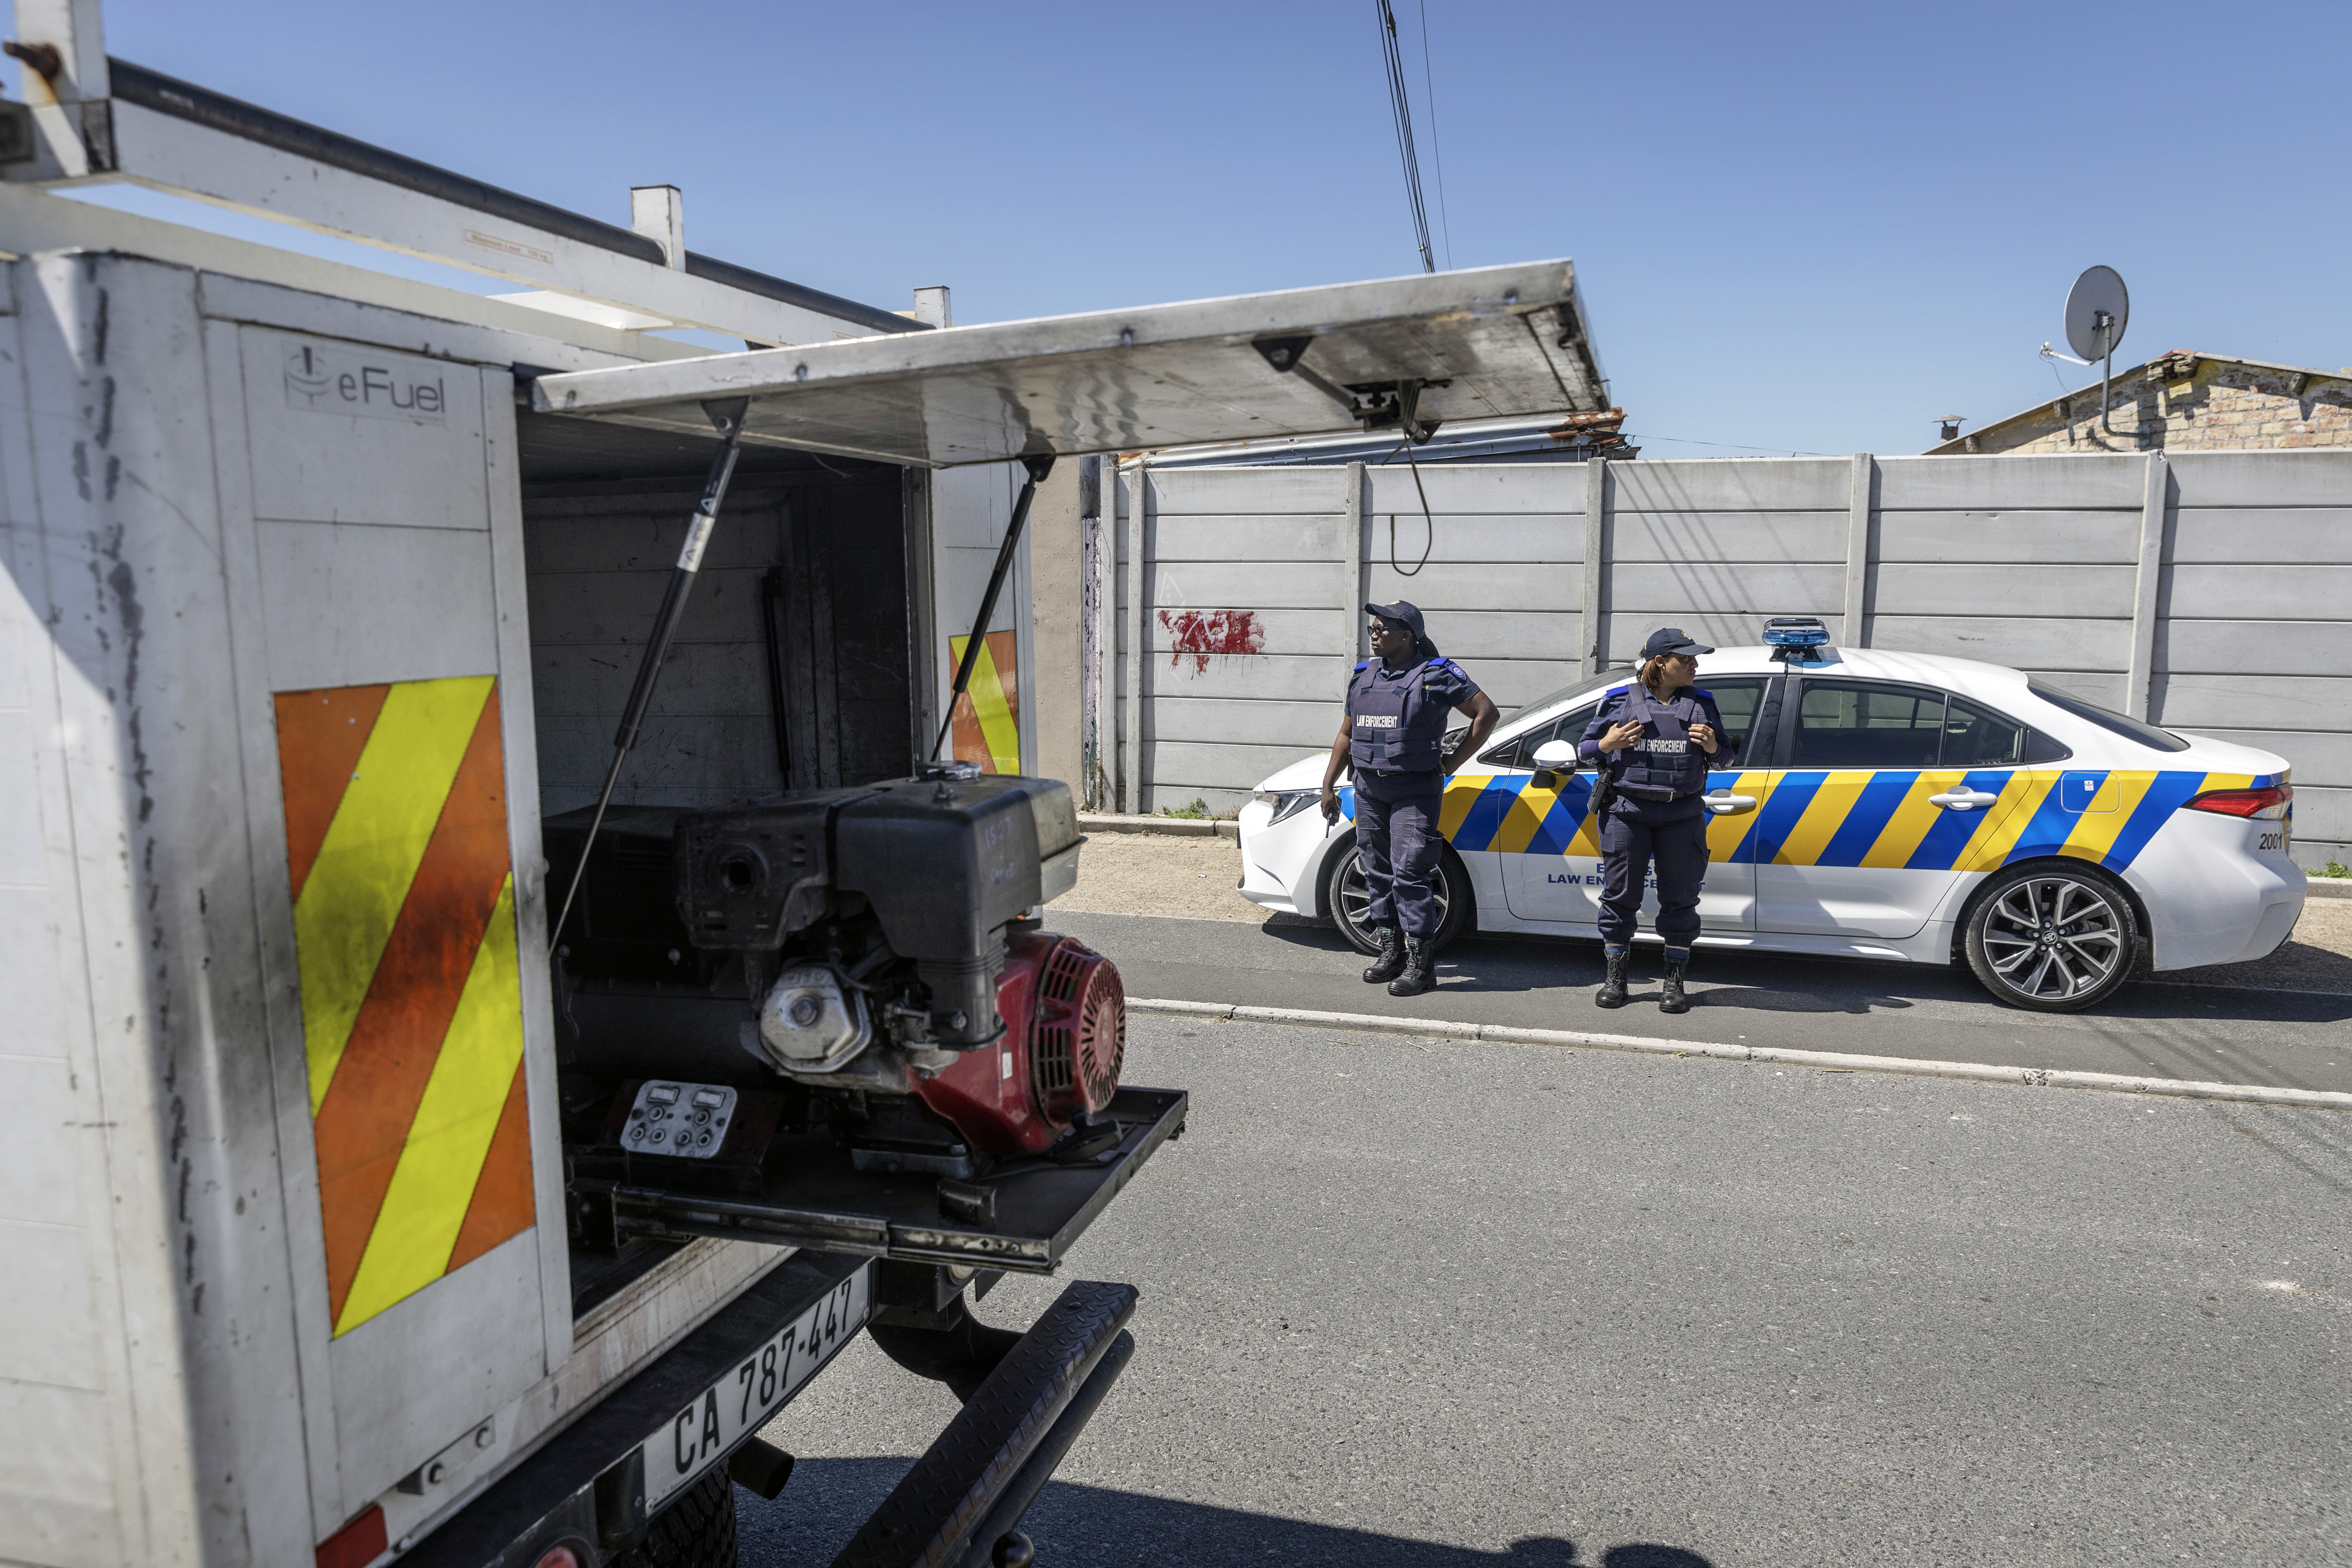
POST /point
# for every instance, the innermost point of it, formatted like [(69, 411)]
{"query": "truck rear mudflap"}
[(589, 1497)]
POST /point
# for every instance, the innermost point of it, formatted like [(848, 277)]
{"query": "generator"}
[(829, 985)]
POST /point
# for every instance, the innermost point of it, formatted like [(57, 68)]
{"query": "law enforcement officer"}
[(1394, 736), (1655, 738)]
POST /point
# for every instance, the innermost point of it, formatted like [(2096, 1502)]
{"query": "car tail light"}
[(2269, 802)]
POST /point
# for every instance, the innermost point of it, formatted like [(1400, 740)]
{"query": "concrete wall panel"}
[(2076, 537), (2316, 536), (1508, 489), (1745, 485), (1727, 536), (1998, 484), (1920, 589), (2017, 641)]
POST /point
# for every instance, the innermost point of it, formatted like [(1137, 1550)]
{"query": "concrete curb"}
[(2329, 887), (1177, 827), (1975, 1071)]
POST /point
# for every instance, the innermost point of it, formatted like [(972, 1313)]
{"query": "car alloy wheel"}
[(2051, 940), (1351, 901)]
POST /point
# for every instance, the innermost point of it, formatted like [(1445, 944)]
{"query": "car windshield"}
[(1585, 687), (2107, 719)]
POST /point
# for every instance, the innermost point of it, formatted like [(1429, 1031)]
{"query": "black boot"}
[(1672, 999), (1420, 970), (1391, 959), (1611, 993)]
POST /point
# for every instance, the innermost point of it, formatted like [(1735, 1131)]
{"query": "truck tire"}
[(697, 1531)]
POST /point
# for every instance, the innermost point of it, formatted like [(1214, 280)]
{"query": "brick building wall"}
[(2184, 403)]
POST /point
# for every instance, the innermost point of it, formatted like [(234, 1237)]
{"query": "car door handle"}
[(1727, 805), (1963, 799)]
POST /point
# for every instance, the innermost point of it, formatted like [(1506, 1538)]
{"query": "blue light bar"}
[(1795, 631)]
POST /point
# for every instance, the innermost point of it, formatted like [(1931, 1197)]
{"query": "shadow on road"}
[(1094, 1527)]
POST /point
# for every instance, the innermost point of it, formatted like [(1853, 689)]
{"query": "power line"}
[(1429, 97), (1400, 110)]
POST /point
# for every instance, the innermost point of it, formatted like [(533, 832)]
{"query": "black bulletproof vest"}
[(1663, 758), (1394, 725)]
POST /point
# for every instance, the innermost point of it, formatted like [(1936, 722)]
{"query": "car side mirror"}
[(1554, 759)]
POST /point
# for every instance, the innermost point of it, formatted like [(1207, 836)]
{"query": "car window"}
[(1519, 751), (1866, 723), (1737, 698), (2108, 719), (1978, 737), (1590, 685)]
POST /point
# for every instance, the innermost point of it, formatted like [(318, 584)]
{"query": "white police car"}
[(1884, 805)]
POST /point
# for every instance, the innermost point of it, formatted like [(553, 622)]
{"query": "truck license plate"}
[(742, 1401)]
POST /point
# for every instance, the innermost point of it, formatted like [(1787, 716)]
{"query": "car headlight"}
[(1288, 802)]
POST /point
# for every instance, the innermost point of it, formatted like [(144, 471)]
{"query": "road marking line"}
[(1975, 1071)]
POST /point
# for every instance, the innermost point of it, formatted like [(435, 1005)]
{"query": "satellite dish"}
[(2097, 306)]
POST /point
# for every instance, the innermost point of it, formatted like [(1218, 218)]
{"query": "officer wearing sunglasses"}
[(1399, 701)]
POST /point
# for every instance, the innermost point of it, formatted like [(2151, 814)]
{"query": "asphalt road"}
[(1453, 1304), (2296, 1039)]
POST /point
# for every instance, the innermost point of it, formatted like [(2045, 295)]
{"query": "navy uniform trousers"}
[(1673, 834), (1397, 841)]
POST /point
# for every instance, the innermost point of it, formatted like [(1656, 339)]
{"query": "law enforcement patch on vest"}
[(1670, 748), (1376, 721)]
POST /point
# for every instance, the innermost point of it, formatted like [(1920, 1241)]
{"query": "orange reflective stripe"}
[(320, 737), (501, 1206)]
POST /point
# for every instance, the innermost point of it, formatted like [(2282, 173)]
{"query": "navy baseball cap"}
[(1670, 639), (1402, 613)]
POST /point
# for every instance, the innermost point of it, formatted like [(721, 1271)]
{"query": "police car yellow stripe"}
[(1908, 826), (2006, 823), (1833, 800), (1725, 834), (1882, 820)]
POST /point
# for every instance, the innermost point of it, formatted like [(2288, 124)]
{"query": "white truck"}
[(353, 1211)]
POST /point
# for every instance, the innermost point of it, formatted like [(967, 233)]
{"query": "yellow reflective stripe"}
[(2227, 781), (1725, 832), (434, 1182), (1525, 818), (1900, 839), (1823, 815), (997, 727), (356, 886), (2095, 831), (1462, 792), (2006, 819)]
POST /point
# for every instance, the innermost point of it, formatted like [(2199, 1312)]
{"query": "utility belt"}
[(1655, 797)]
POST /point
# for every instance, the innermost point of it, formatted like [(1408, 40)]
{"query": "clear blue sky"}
[(1798, 228)]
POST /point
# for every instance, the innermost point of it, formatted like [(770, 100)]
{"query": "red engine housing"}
[(1064, 1040)]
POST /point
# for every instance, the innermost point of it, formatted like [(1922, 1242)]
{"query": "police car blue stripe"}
[(1560, 826), (1940, 849), (1779, 815), (1484, 821), (2167, 793), (2056, 816), (1866, 818)]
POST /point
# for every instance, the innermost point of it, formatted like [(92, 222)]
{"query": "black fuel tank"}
[(945, 862)]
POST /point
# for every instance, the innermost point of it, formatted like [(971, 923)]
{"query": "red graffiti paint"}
[(1201, 636)]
